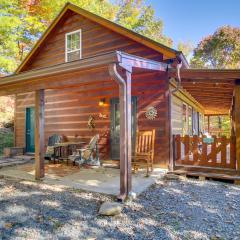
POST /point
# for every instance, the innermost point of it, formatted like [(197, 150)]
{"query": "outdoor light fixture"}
[(102, 102)]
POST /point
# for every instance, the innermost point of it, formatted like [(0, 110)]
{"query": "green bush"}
[(6, 139)]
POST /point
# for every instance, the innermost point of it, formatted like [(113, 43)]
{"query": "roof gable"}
[(166, 51)]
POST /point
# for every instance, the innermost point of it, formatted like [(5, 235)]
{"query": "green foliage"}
[(19, 30), (220, 50), (6, 111), (186, 48), (219, 125), (135, 15), (6, 139), (22, 22)]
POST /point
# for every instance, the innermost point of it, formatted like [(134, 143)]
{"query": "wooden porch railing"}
[(198, 151)]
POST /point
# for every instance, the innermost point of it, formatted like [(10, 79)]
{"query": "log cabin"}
[(86, 66)]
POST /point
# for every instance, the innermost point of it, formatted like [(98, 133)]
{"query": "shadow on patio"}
[(102, 180)]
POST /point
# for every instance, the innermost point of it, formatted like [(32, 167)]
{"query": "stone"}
[(132, 196), (110, 208), (171, 176)]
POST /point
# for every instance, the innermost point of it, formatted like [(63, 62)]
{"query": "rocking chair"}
[(144, 150), (52, 140), (88, 155)]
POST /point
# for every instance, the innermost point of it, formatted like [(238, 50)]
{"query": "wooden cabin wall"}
[(67, 112), (96, 39), (176, 115), (177, 111)]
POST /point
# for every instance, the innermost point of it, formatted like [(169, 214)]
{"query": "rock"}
[(171, 176), (132, 196), (110, 209)]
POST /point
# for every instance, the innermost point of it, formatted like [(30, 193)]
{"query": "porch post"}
[(208, 123), (129, 129), (39, 134), (237, 121), (125, 100)]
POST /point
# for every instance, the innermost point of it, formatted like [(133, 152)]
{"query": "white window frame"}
[(80, 44)]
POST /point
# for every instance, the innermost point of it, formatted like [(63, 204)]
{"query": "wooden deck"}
[(209, 174)]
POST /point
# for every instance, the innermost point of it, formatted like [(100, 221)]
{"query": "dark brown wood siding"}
[(68, 109), (95, 40)]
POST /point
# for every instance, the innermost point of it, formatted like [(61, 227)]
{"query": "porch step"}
[(5, 162), (209, 176)]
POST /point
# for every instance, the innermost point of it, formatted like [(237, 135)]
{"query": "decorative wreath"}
[(91, 122), (151, 113)]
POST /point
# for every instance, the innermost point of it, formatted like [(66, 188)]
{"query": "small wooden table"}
[(63, 150)]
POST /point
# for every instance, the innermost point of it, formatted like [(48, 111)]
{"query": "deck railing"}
[(205, 152)]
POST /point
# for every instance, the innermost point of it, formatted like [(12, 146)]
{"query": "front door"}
[(115, 126), (30, 127)]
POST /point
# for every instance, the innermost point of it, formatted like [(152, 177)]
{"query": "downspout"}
[(179, 66), (125, 183)]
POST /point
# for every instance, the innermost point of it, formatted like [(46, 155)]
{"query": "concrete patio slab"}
[(101, 180)]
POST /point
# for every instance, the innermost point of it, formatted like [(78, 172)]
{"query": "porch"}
[(45, 89), (210, 152), (101, 180)]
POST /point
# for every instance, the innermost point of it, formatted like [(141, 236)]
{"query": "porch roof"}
[(33, 80), (212, 88)]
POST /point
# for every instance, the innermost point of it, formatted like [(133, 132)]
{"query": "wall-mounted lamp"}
[(102, 102)]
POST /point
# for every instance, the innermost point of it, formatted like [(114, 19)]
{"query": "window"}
[(190, 120), (73, 48), (184, 120)]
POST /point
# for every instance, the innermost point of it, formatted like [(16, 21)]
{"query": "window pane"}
[(68, 42), (72, 56), (73, 46), (190, 121), (184, 120)]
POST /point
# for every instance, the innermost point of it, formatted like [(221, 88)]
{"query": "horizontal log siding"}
[(68, 110), (95, 40)]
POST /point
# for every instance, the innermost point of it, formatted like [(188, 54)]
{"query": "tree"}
[(186, 48), (23, 21), (220, 50), (140, 18), (18, 30)]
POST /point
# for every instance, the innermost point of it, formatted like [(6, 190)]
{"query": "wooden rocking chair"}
[(144, 151)]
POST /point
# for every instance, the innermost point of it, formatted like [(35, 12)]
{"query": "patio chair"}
[(144, 151), (50, 151), (88, 155)]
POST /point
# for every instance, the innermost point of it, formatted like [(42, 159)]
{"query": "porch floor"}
[(101, 180)]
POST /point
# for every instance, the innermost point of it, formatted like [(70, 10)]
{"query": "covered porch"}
[(211, 152), (118, 66), (101, 180)]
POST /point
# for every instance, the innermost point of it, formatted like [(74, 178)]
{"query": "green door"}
[(115, 126), (30, 127)]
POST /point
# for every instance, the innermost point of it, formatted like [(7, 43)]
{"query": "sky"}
[(191, 20)]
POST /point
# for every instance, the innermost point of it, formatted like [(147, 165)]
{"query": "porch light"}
[(102, 102)]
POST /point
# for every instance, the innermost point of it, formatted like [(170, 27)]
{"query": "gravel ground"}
[(186, 209)]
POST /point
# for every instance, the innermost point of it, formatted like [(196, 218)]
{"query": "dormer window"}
[(73, 48)]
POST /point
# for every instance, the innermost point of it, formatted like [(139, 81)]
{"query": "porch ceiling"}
[(212, 88)]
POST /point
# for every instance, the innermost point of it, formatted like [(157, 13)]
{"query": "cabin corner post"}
[(39, 133), (237, 121), (125, 130)]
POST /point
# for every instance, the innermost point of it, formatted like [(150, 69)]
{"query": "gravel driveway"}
[(169, 210)]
